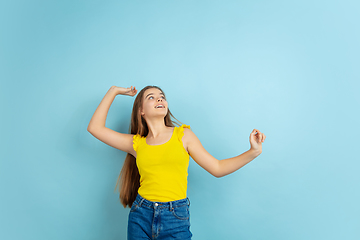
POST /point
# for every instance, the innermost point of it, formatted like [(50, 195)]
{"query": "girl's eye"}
[(153, 97)]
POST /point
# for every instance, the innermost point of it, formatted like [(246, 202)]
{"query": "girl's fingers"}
[(259, 136)]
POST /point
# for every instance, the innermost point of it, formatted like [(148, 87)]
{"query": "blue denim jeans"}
[(159, 220)]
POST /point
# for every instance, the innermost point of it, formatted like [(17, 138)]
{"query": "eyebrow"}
[(153, 94)]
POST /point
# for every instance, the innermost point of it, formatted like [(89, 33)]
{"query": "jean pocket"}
[(181, 212), (134, 207)]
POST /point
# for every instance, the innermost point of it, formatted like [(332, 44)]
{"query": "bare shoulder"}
[(188, 138), (187, 132)]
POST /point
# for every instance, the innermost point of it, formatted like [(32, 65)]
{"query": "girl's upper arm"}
[(121, 141), (199, 154)]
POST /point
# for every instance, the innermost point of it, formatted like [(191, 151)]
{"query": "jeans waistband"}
[(144, 202)]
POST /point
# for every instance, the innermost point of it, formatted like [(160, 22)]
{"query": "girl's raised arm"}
[(96, 127), (220, 168)]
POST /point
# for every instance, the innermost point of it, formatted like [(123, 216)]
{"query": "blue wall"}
[(287, 68)]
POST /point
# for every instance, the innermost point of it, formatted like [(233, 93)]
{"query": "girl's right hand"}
[(130, 91)]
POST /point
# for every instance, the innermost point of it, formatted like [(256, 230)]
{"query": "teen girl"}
[(153, 180)]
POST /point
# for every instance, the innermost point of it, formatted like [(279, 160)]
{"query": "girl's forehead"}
[(152, 90)]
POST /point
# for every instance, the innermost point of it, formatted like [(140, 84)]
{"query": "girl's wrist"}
[(115, 90), (255, 152)]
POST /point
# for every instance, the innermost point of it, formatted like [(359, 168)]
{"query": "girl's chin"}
[(163, 114)]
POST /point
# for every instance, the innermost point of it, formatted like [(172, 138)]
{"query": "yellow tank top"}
[(163, 168)]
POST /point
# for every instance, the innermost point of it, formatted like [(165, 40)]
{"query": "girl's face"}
[(154, 103)]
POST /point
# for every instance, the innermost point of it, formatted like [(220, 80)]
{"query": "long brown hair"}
[(129, 177)]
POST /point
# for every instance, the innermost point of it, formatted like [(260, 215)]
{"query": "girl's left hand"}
[(256, 140)]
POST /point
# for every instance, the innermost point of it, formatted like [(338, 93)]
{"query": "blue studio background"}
[(287, 68)]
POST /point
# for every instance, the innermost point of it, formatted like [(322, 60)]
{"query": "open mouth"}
[(160, 106)]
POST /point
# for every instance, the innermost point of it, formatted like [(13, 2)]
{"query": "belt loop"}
[(170, 206), (188, 201), (141, 202)]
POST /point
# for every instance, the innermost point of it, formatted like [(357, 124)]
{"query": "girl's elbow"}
[(217, 174)]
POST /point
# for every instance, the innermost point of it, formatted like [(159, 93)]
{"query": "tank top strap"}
[(136, 141), (180, 131)]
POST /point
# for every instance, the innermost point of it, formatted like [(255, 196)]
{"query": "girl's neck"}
[(156, 128)]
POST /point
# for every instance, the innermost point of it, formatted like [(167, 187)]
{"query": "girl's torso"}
[(163, 165)]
